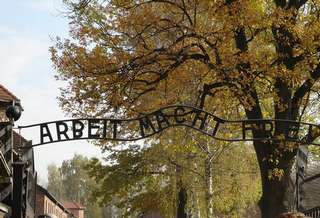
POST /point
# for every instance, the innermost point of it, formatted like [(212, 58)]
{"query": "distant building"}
[(75, 208), (47, 204), (151, 215)]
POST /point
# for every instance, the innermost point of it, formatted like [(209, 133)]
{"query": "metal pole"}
[(297, 189), (17, 209)]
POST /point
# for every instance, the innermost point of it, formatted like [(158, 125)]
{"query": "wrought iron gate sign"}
[(171, 116)]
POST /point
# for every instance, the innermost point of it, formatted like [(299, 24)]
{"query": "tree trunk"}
[(182, 195), (182, 203), (274, 190), (209, 188), (274, 195)]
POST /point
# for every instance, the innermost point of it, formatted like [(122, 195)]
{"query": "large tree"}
[(214, 179), (55, 184), (260, 56), (71, 182)]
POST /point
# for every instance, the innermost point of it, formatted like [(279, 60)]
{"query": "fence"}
[(314, 212)]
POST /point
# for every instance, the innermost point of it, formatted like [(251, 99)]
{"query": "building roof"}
[(6, 95), (19, 140), (73, 205), (53, 199), (151, 214)]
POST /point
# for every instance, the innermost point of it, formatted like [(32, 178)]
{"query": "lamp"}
[(14, 111)]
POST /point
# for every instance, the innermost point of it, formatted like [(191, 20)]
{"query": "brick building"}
[(34, 199), (6, 151), (47, 204), (75, 208), (152, 214), (9, 141), (29, 175)]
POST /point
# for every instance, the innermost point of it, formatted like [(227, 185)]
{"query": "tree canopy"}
[(70, 182), (256, 58), (219, 180)]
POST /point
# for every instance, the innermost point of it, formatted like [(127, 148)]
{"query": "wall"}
[(45, 206), (77, 213), (39, 205)]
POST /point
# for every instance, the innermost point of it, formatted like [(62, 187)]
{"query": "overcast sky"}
[(27, 28)]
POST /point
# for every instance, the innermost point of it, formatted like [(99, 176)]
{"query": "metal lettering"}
[(270, 130), (77, 129), (245, 128), (145, 123), (115, 127), (292, 131), (161, 119), (44, 127), (92, 125), (255, 125), (104, 132), (216, 127), (180, 115), (202, 119), (62, 132), (177, 116)]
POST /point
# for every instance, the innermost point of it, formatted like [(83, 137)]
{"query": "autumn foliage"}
[(248, 59)]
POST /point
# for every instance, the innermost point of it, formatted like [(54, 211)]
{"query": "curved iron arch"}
[(145, 126)]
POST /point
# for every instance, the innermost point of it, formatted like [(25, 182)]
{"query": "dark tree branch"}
[(303, 90), (207, 91), (280, 3), (296, 3), (172, 3)]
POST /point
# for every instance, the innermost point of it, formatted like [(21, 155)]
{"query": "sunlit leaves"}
[(133, 57)]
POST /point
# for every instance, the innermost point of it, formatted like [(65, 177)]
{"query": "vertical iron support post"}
[(297, 190), (17, 209)]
